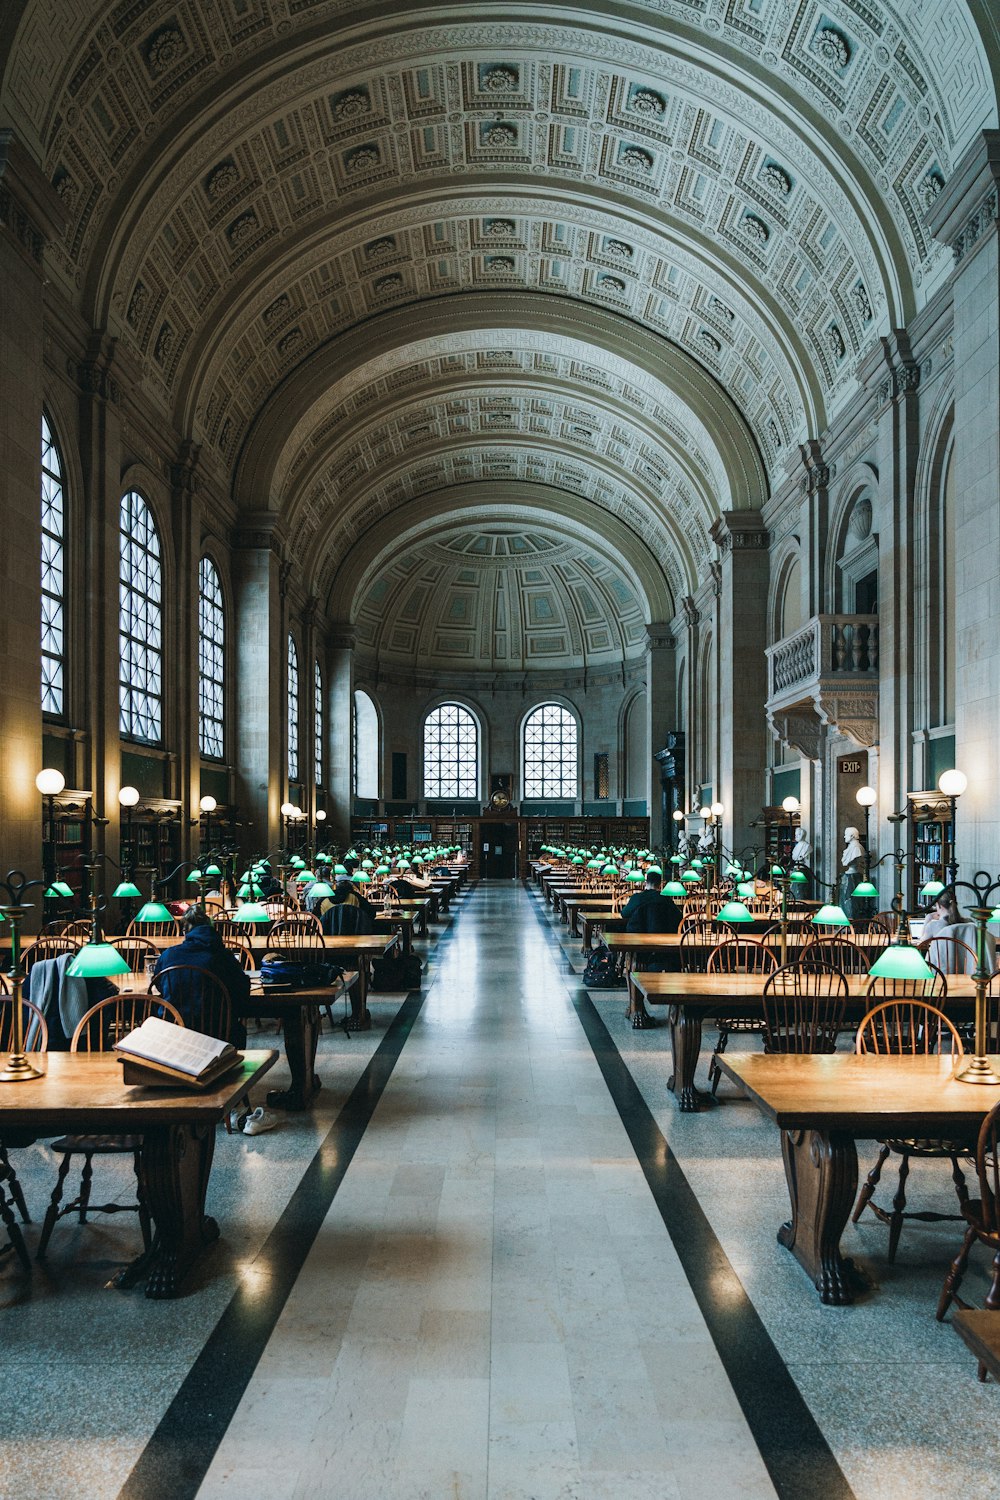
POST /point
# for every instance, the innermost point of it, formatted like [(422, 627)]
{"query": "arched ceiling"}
[(498, 597), (624, 255)]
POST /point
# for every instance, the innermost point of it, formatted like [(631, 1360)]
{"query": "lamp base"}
[(18, 1069), (978, 1070)]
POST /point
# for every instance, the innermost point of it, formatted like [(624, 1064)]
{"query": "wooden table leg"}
[(301, 1032), (174, 1166), (822, 1172), (637, 1012), (360, 1019), (685, 1043)]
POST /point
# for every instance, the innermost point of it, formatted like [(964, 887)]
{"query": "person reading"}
[(649, 910)]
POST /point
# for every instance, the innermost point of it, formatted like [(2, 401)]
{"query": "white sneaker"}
[(259, 1120)]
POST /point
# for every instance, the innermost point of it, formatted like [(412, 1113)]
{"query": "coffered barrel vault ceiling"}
[(623, 259)]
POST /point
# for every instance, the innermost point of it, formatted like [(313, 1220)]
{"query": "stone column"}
[(30, 215), (661, 691), (743, 734), (259, 663), (966, 216), (341, 642)]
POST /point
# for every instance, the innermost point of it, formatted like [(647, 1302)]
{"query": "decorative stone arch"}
[(463, 699), (628, 730), (786, 566), (707, 746), (934, 603), (852, 545), (362, 686)]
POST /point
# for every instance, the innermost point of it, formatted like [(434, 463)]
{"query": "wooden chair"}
[(153, 929), (949, 954), (698, 937), (736, 956), (983, 1219), (239, 946), (834, 953), (888, 919), (874, 933), (202, 999), (304, 930), (803, 1008), (36, 1034), (79, 928), (47, 947), (137, 951), (908, 1027), (102, 1026)]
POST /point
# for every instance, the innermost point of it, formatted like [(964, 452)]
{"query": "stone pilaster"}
[(743, 542), (185, 515), (661, 690), (965, 216), (30, 216), (341, 642), (259, 660)]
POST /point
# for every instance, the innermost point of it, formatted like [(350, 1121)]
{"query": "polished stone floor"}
[(452, 1279)]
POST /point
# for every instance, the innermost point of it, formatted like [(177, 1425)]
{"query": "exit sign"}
[(850, 766)]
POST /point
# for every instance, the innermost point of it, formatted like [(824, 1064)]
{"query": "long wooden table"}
[(692, 997), (83, 1093), (823, 1105)]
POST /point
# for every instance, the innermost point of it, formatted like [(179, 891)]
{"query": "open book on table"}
[(161, 1052)]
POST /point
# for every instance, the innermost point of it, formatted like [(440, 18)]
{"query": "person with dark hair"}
[(649, 910), (348, 911), (954, 938)]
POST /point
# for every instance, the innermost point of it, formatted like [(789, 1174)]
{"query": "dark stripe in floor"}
[(176, 1459), (797, 1455)]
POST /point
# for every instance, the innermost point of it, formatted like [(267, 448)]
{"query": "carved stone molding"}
[(659, 637), (182, 472), (903, 380), (979, 221), (31, 211), (259, 533), (341, 637), (740, 531), (799, 730), (803, 727)]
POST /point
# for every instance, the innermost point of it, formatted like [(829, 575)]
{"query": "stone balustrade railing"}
[(828, 645)]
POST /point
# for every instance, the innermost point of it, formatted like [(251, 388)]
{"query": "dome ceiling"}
[(494, 599), (368, 259)]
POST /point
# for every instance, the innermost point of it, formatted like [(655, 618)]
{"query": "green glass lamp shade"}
[(733, 911), (213, 869), (865, 888), (609, 870), (697, 864), (194, 877), (351, 854), (251, 891), (153, 911), (931, 890), (324, 859), (96, 961), (59, 888), (577, 859), (799, 877), (402, 864), (297, 862), (251, 912), (125, 890), (635, 876), (777, 870), (593, 864), (901, 961), (674, 888), (994, 915), (381, 869), (366, 864), (831, 916), (361, 877), (690, 877), (322, 889), (249, 873), (304, 876), (746, 889), (654, 870), (340, 869), (735, 870), (676, 859)]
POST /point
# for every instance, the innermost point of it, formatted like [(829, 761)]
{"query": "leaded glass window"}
[(293, 711), (53, 576), (211, 662), (140, 623), (451, 753), (318, 723), (550, 752)]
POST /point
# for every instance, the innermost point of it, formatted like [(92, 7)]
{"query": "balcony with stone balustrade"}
[(825, 677)]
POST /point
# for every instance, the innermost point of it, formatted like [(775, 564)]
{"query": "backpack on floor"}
[(601, 972), (396, 973)]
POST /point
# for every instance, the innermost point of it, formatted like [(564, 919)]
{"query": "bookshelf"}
[(931, 839)]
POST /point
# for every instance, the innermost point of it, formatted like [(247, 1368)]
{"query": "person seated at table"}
[(414, 878), (202, 948), (649, 910), (946, 921), (348, 897)]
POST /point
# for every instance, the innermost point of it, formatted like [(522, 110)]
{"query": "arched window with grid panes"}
[(53, 575), (293, 710), (318, 725), (140, 623), (451, 754), (211, 663), (551, 753)]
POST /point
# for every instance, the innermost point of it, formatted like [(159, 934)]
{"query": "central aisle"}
[(492, 1309)]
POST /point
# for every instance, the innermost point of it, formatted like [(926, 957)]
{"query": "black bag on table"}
[(290, 974), (396, 973), (601, 971)]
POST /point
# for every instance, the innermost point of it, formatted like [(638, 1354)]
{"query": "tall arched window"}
[(451, 753), (365, 747), (53, 575), (211, 662), (140, 623), (317, 724), (551, 753), (293, 711)]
